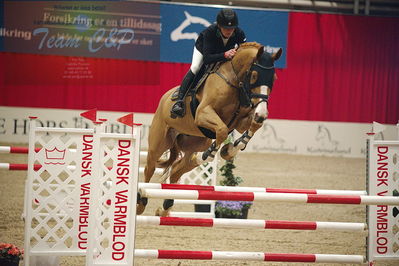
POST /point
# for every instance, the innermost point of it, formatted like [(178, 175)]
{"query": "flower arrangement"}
[(232, 209), (10, 254)]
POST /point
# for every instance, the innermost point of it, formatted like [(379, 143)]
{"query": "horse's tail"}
[(174, 154)]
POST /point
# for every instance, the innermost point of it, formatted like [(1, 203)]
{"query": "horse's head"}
[(259, 76)]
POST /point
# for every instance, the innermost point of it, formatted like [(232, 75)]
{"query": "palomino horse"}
[(233, 97)]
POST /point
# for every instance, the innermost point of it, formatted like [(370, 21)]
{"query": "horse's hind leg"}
[(186, 164), (158, 143)]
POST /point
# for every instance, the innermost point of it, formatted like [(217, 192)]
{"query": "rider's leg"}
[(178, 109)]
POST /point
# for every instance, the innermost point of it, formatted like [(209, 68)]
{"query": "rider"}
[(217, 43)]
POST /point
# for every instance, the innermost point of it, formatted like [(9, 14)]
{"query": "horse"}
[(234, 97)]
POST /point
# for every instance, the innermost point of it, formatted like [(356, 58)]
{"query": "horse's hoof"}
[(161, 212), (226, 151), (140, 209)]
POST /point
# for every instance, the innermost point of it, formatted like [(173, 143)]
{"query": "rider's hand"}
[(229, 54)]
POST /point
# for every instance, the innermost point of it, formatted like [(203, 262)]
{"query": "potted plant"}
[(10, 254), (231, 209)]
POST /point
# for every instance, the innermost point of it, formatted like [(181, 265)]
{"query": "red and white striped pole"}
[(17, 166), (248, 256), (24, 167), (251, 189), (250, 223), (25, 150), (10, 149), (269, 197)]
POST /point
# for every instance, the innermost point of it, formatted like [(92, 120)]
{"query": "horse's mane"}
[(250, 45)]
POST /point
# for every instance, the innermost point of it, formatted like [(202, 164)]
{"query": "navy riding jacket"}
[(211, 45)]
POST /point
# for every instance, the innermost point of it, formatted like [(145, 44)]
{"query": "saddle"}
[(199, 79)]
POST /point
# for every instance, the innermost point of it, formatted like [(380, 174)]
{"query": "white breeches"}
[(196, 63)]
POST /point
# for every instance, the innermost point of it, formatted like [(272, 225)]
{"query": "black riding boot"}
[(178, 109)]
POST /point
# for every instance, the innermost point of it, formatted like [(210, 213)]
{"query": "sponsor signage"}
[(14, 122), (105, 29), (383, 176), (275, 136), (181, 25)]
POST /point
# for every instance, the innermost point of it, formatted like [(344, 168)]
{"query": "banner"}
[(181, 25), (275, 136), (126, 29), (105, 29)]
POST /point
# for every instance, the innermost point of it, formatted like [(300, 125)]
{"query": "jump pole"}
[(250, 223), (24, 167), (251, 189), (269, 197), (248, 256), (25, 150)]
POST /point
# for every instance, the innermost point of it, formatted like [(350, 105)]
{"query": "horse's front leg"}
[(249, 126), (208, 118)]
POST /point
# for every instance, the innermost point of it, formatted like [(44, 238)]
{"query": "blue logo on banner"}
[(181, 25)]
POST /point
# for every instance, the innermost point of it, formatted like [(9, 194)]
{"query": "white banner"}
[(276, 136), (315, 138)]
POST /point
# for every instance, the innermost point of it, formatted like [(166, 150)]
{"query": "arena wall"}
[(276, 135)]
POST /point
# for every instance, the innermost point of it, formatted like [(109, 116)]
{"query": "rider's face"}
[(227, 32)]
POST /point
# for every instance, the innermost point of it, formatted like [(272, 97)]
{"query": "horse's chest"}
[(226, 112)]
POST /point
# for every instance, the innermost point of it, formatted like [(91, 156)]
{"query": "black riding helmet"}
[(227, 18)]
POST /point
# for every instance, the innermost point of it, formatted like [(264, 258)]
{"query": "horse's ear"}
[(260, 52), (277, 54)]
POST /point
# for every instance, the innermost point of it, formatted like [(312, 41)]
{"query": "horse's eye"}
[(254, 77)]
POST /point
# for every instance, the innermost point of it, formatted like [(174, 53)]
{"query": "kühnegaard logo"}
[(326, 144), (271, 141), (179, 34)]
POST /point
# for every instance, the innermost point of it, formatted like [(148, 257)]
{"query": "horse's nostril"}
[(259, 119)]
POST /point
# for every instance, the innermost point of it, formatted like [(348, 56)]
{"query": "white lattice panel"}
[(204, 175), (52, 225)]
